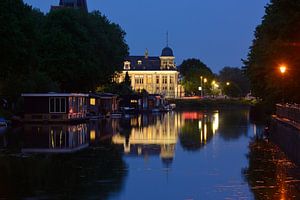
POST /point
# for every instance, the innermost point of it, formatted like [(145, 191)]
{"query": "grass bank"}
[(203, 104)]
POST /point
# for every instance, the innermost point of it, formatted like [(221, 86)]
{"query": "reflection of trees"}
[(270, 175), (93, 173), (192, 138), (233, 123)]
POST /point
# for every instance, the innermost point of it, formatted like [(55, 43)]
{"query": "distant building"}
[(156, 75), (77, 4)]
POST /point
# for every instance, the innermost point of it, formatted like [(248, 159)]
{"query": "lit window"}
[(139, 62), (127, 65), (92, 101), (157, 79), (165, 80)]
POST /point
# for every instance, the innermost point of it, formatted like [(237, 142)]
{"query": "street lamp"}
[(282, 69), (227, 83), (201, 78)]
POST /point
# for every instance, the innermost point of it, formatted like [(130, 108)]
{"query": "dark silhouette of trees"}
[(276, 42), (239, 83), (65, 50), (191, 71)]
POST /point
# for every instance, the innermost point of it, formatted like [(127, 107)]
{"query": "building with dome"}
[(77, 4), (155, 74)]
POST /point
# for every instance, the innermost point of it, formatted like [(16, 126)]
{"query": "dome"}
[(167, 51)]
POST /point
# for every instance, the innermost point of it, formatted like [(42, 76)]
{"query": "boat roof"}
[(54, 94)]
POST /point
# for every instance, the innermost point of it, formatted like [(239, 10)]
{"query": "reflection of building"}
[(152, 136), (55, 138), (156, 75), (77, 4)]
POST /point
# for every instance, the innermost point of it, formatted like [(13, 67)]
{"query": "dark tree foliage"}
[(239, 82), (192, 70), (66, 50), (81, 50), (127, 80), (277, 41)]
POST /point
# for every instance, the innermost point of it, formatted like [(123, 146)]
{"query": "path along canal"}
[(176, 155)]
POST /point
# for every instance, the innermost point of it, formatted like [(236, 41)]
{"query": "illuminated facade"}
[(156, 75)]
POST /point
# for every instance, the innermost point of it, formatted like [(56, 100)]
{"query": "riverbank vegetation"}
[(66, 50), (276, 45)]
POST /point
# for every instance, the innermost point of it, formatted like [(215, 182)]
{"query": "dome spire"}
[(167, 38)]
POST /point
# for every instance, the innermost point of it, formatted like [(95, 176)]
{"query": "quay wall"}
[(286, 134)]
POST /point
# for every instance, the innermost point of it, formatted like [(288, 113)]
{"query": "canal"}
[(177, 155)]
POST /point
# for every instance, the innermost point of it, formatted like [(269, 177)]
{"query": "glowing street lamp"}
[(282, 69), (205, 80), (227, 83)]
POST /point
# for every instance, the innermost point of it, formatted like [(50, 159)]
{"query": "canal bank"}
[(285, 130), (206, 104)]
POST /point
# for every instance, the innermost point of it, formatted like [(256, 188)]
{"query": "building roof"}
[(149, 63), (167, 51), (81, 4), (53, 94)]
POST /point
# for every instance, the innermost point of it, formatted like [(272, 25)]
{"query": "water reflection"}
[(147, 135), (198, 129), (73, 170), (270, 174), (105, 159), (54, 138)]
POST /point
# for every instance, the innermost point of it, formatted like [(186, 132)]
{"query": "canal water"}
[(177, 155)]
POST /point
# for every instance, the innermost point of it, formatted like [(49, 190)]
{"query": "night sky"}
[(218, 32)]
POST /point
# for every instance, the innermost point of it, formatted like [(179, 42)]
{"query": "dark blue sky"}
[(219, 32)]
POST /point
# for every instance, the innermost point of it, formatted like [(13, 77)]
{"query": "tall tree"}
[(276, 42), (191, 70), (81, 50), (239, 83)]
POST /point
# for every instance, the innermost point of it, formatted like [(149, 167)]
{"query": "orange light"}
[(282, 69)]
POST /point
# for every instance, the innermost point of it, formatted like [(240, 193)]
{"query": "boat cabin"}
[(103, 104), (54, 107)]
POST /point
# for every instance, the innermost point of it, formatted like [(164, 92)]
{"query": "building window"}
[(149, 79), (157, 88), (93, 101), (171, 79), (139, 62), (57, 105), (165, 80), (157, 79), (171, 88), (139, 79), (126, 65)]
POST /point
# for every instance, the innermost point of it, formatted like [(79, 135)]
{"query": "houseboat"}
[(55, 107), (103, 104)]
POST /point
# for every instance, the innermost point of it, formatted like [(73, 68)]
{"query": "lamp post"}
[(201, 78), (282, 70)]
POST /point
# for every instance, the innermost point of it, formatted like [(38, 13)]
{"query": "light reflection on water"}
[(184, 155)]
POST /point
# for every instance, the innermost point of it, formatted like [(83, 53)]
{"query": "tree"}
[(80, 50), (20, 38), (239, 83), (66, 50), (276, 42), (127, 80), (192, 70)]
